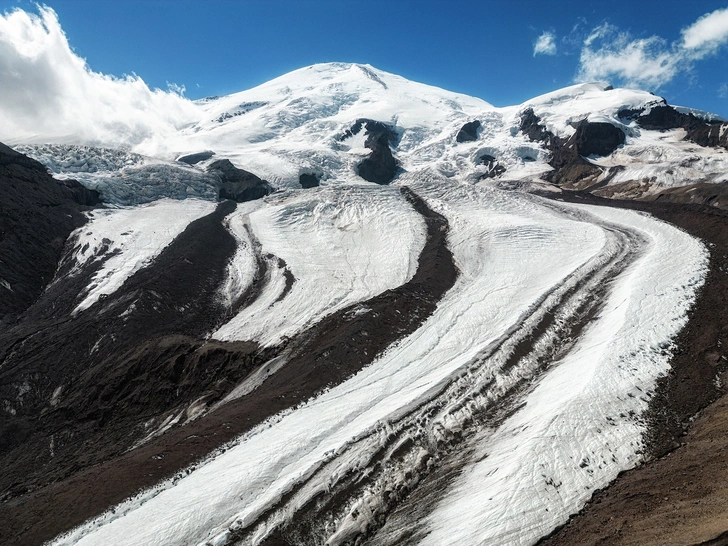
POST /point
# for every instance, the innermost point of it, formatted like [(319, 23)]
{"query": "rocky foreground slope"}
[(327, 312)]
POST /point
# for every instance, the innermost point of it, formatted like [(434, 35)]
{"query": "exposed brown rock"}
[(37, 213), (663, 117), (380, 166), (571, 170), (494, 168)]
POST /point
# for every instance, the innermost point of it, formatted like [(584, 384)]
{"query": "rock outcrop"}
[(596, 138), (664, 117), (237, 184), (469, 132), (571, 170), (380, 166), (493, 167)]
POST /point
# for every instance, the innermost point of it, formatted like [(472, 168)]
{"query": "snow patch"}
[(123, 241)]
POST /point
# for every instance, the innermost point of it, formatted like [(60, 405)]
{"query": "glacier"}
[(518, 257)]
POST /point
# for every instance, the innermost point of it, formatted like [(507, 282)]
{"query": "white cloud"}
[(707, 33), (49, 93), (608, 54), (723, 90), (545, 44)]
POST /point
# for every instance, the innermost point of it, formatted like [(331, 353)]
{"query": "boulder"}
[(308, 180), (194, 159)]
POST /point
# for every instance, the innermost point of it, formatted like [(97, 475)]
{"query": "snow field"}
[(300, 117), (126, 240)]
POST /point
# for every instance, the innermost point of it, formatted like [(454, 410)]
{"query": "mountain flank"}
[(37, 214)]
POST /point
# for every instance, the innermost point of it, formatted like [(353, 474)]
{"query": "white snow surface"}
[(127, 239), (342, 245), (517, 255)]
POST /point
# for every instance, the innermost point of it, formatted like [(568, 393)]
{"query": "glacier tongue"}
[(580, 426), (339, 246), (520, 259)]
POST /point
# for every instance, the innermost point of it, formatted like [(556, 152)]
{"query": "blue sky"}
[(482, 48)]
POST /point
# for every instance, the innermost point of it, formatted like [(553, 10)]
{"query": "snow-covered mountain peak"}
[(295, 125), (348, 84), (322, 123), (597, 101)]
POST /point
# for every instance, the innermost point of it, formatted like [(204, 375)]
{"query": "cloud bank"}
[(609, 54), (49, 94)]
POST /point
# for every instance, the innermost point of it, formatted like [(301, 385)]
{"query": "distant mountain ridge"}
[(291, 128)]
